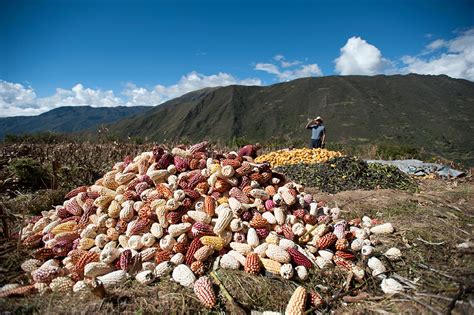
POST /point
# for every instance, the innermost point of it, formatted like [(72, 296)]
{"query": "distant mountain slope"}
[(67, 119), (434, 112)]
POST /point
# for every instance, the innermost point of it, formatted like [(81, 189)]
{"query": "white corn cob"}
[(286, 271), (393, 254), (236, 225), (223, 220), (199, 216), (61, 284), (323, 263), (30, 265), (167, 242), (148, 239), (285, 243), (177, 259), (269, 217), (271, 265), (127, 211), (272, 238), (184, 276), (114, 209), (385, 228), (163, 269), (277, 253), (95, 269), (123, 240), (176, 230), (229, 262), (145, 277), (261, 249), (240, 258), (113, 278), (80, 286), (135, 242), (279, 214), (252, 237), (156, 230), (109, 255), (100, 240), (301, 272), (242, 248)]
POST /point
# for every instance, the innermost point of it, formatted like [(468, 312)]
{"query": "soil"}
[(430, 224)]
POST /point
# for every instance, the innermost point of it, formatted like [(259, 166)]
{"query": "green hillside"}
[(433, 112)]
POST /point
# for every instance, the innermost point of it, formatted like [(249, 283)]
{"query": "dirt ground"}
[(430, 226)]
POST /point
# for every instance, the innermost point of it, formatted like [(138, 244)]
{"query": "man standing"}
[(318, 132)]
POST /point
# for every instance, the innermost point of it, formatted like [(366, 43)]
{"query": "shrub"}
[(397, 151), (30, 173)]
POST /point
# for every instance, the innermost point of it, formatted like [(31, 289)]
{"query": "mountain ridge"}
[(433, 112), (66, 119)]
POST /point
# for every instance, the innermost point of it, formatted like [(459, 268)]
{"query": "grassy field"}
[(430, 224)]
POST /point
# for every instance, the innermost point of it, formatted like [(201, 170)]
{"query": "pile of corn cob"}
[(183, 213), (297, 156)]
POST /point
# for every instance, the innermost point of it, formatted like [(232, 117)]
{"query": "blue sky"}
[(108, 53)]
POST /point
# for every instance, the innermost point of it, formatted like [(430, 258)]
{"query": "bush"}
[(30, 173), (40, 137), (397, 151), (34, 203)]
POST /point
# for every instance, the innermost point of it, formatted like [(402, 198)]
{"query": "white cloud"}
[(359, 57), (189, 82), (454, 57), (304, 70), (267, 67), (436, 44), (18, 100)]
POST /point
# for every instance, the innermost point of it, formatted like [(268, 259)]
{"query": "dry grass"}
[(429, 226)]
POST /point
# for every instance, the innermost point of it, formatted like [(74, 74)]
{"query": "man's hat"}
[(319, 118)]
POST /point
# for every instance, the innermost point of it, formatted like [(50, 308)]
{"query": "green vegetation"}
[(30, 173), (347, 173)]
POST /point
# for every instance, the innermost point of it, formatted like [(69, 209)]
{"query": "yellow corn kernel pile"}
[(295, 156)]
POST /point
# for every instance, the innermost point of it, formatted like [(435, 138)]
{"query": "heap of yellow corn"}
[(296, 156)]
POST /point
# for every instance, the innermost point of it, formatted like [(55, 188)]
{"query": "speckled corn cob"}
[(204, 292)]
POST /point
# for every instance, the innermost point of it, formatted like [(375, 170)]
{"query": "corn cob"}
[(229, 262), (183, 275), (271, 265), (193, 247), (299, 258), (198, 268), (327, 240), (252, 263), (203, 290), (203, 253), (215, 241), (297, 302)]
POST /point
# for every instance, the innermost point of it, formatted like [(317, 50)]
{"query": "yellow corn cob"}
[(64, 227), (222, 200), (86, 243), (271, 266), (103, 201), (282, 157), (215, 241)]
